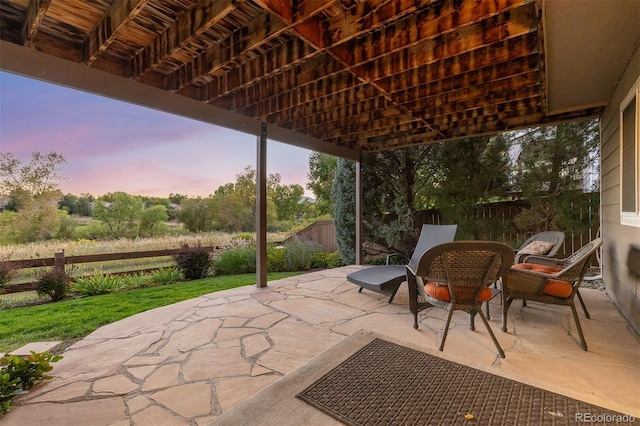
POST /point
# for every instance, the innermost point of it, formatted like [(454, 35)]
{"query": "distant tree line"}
[(33, 208)]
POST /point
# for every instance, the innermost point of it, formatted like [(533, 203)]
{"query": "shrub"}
[(194, 262), (7, 271), (166, 276), (18, 375), (298, 254), (53, 283), (96, 284), (237, 260), (326, 260), (136, 280), (275, 259)]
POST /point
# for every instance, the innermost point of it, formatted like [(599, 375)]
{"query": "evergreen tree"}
[(395, 190), (343, 193), (550, 174), (468, 173)]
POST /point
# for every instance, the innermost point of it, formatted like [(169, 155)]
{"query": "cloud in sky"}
[(114, 146)]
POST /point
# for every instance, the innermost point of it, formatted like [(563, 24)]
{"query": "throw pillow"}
[(537, 247)]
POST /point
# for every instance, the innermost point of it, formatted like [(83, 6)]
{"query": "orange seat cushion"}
[(557, 288), (537, 268), (441, 292)]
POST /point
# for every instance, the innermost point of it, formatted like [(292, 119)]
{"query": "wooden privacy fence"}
[(322, 233), (60, 261)]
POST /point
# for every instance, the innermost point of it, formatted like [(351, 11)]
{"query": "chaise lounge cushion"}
[(441, 292), (553, 287)]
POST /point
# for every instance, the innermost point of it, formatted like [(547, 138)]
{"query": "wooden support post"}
[(358, 244), (261, 209)]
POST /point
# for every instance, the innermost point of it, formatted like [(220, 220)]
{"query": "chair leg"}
[(415, 320), (446, 329), (495, 285), (505, 308), (493, 337), (393, 293), (360, 291), (472, 321), (584, 308), (583, 344)]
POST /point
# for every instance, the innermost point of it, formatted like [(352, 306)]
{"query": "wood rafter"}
[(36, 11), (186, 29), (119, 15)]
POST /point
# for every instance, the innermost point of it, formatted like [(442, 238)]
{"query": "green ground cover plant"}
[(73, 319), (19, 374)]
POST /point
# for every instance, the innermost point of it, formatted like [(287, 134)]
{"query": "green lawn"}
[(73, 319)]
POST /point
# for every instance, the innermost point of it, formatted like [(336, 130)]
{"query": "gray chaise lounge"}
[(386, 279)]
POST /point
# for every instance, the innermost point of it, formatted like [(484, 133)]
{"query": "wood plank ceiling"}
[(363, 74)]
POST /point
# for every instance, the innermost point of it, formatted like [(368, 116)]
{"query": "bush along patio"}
[(19, 374)]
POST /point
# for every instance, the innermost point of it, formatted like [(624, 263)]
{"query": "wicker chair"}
[(552, 237), (456, 276), (552, 281), (545, 243)]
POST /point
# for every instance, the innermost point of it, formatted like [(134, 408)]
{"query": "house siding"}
[(622, 285)]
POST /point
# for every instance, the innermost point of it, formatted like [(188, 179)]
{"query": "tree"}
[(37, 178), (152, 221), (344, 209), (321, 176), (34, 192), (395, 189), (468, 173), (121, 214), (286, 198), (551, 171), (197, 214), (177, 198)]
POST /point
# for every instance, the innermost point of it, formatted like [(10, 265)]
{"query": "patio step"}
[(36, 347)]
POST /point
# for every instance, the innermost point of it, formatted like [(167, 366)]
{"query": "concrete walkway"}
[(188, 363)]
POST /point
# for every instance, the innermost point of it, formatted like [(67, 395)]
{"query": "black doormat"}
[(389, 384)]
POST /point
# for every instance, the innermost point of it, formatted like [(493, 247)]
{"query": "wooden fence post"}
[(58, 262)]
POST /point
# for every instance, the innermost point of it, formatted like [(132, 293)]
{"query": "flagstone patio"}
[(188, 363)]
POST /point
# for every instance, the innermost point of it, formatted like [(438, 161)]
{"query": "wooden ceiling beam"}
[(368, 16), (446, 68), (286, 15), (36, 10), (285, 56), (292, 78), (320, 43), (258, 32), (390, 74), (378, 13), (481, 92), (424, 97), (187, 28), (407, 46), (292, 105), (118, 16), (357, 125), (370, 125)]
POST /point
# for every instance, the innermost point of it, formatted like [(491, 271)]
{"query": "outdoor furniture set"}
[(462, 275)]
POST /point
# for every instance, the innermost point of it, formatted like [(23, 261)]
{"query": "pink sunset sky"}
[(114, 146)]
